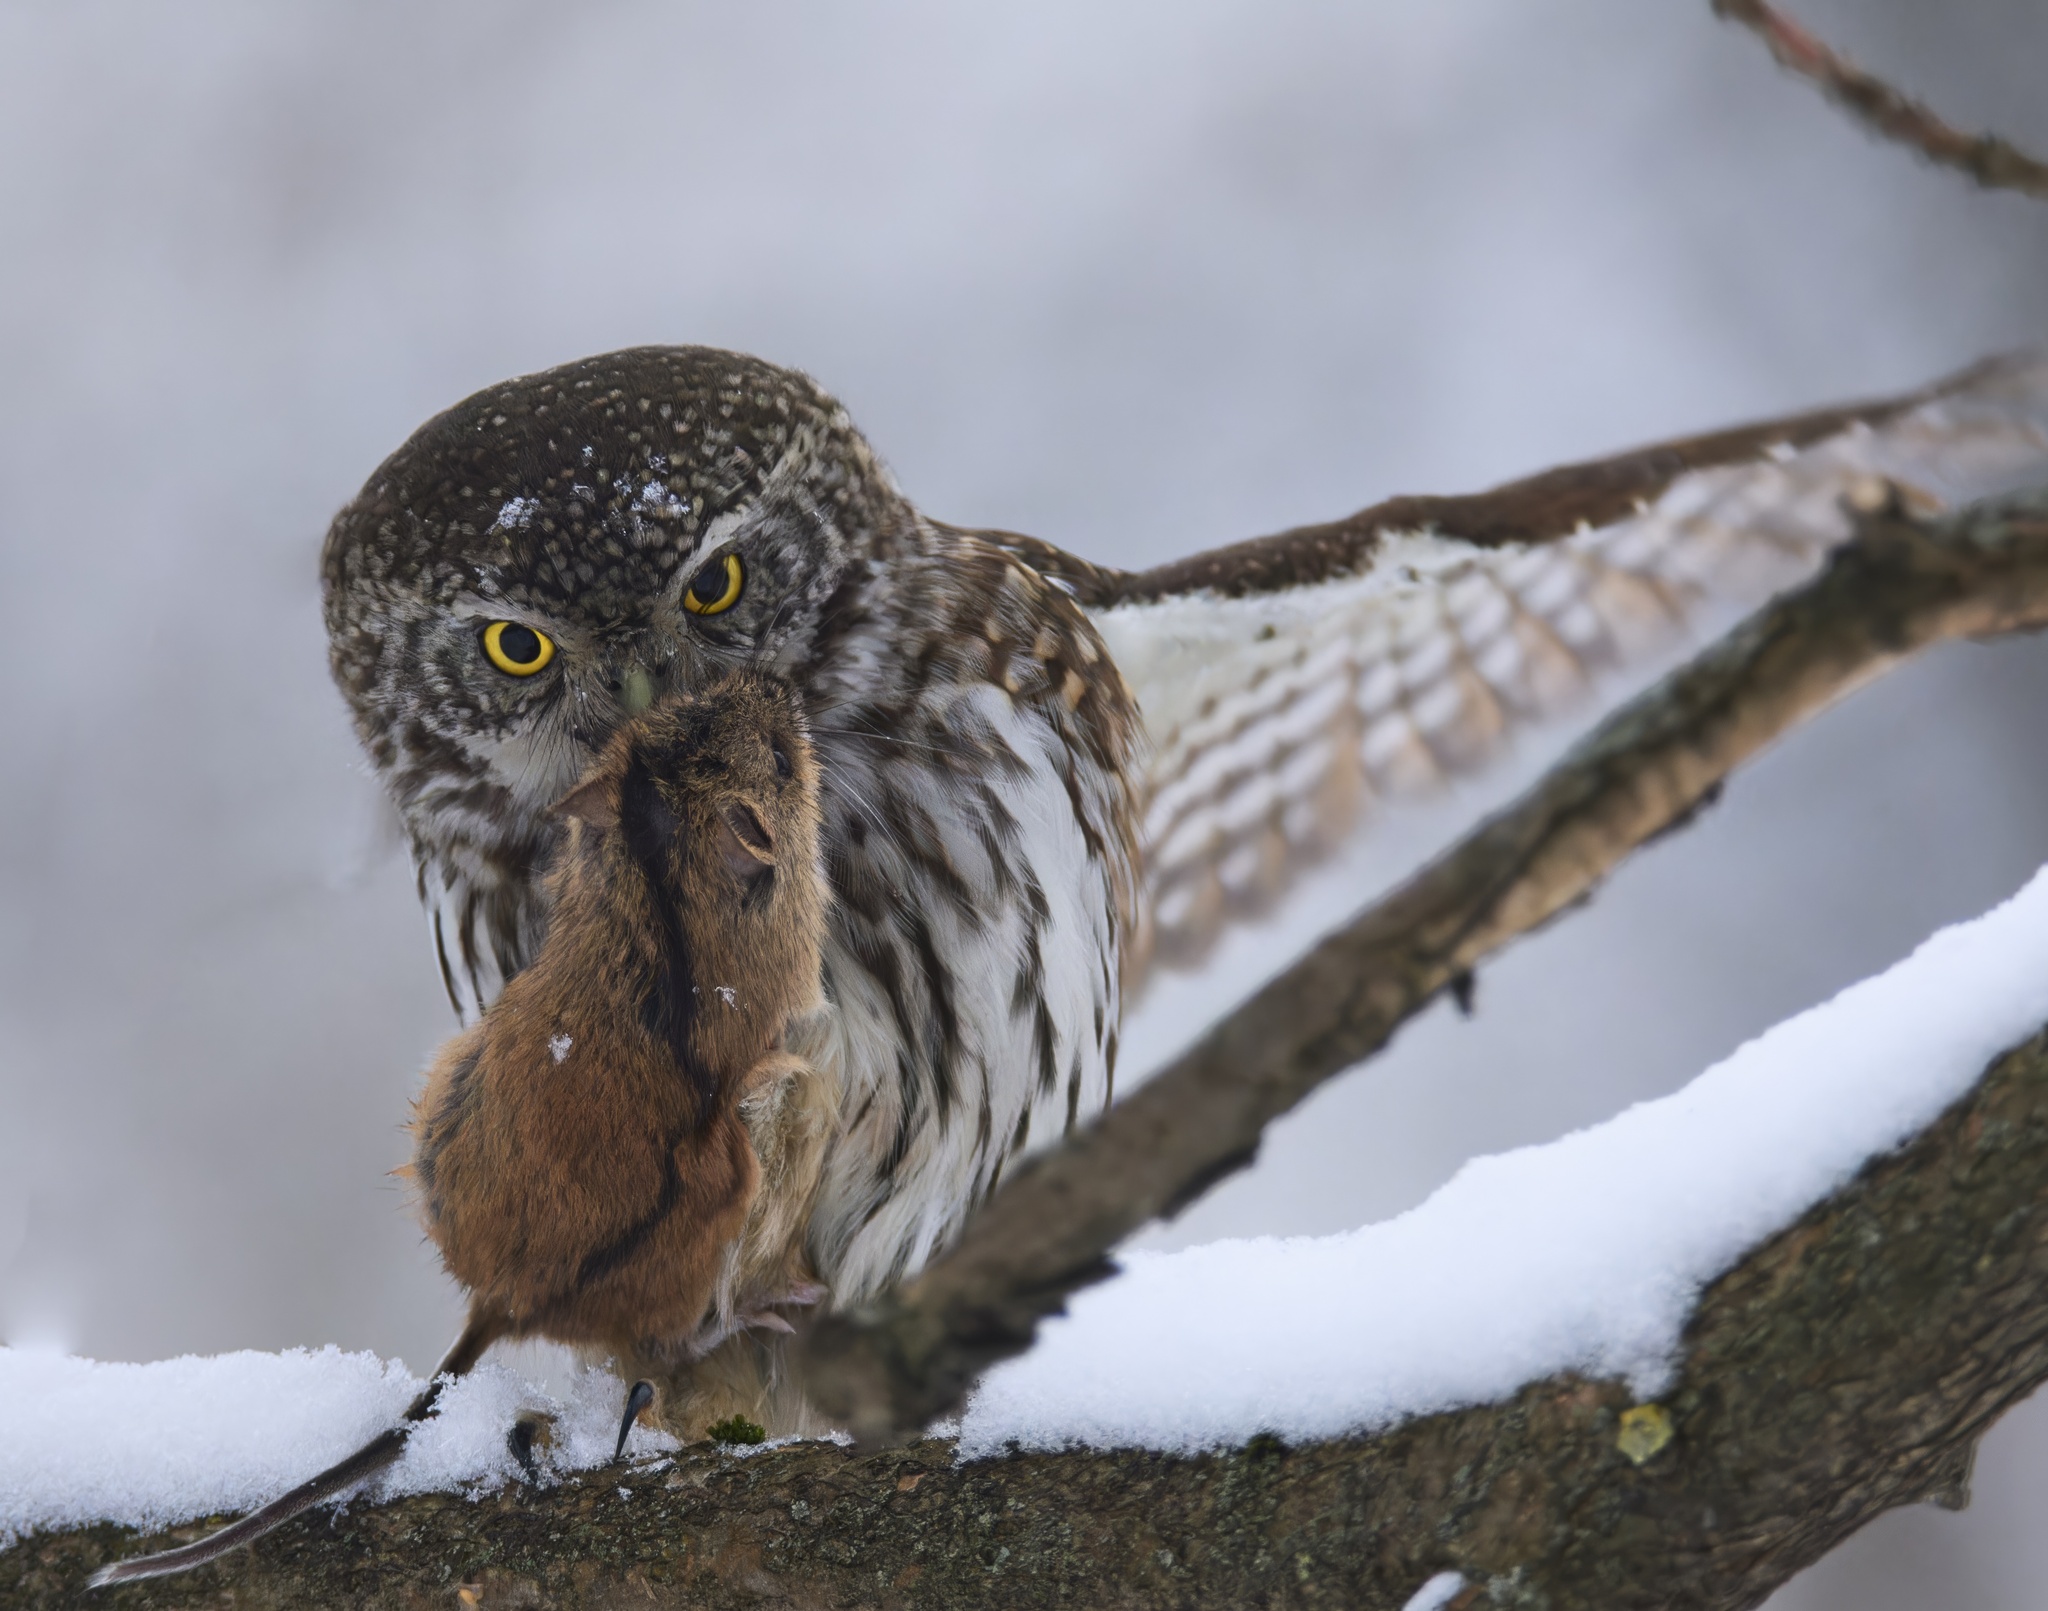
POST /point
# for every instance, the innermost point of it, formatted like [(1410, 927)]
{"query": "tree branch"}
[(1994, 163), (1847, 1365), (1897, 586)]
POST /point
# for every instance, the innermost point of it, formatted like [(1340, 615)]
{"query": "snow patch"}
[(1585, 1254), (151, 1445), (1436, 1593)]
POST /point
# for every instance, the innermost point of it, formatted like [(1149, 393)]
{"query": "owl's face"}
[(552, 554)]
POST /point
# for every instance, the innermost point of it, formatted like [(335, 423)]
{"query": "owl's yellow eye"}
[(716, 587), (517, 649)]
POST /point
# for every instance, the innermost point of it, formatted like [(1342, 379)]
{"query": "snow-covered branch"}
[(1897, 586), (1846, 1365)]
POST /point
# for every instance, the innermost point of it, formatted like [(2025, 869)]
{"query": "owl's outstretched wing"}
[(1287, 683)]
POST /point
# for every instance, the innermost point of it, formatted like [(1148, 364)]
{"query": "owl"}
[(1041, 778)]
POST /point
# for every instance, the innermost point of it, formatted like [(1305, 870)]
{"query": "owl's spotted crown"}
[(595, 481)]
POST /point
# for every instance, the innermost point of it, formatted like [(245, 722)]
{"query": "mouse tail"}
[(373, 1457)]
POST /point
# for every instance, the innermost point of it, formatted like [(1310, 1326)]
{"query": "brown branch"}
[(1846, 1366), (1898, 586), (1994, 163)]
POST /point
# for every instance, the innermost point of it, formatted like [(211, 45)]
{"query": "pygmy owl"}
[(1039, 776)]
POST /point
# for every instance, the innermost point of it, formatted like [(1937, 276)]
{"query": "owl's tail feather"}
[(380, 1452)]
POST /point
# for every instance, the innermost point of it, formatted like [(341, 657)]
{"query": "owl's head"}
[(551, 555)]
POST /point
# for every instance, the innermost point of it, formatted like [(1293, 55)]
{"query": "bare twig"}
[(1848, 1365), (1898, 586), (1994, 163)]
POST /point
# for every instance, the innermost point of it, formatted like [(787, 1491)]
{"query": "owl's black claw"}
[(636, 1401), (520, 1441)]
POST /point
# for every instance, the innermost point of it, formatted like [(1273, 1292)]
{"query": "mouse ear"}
[(747, 846), (595, 800)]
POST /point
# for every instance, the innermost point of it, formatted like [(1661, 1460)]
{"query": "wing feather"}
[(1289, 683)]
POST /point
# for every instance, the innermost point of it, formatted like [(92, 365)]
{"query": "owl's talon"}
[(637, 1400), (531, 1430)]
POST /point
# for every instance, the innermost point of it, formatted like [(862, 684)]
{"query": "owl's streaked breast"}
[(980, 826)]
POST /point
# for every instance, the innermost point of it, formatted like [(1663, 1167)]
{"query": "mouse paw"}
[(760, 1315), (801, 1295)]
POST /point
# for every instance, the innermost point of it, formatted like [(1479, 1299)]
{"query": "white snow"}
[(515, 514), (1585, 1254), (149, 1445), (1436, 1593)]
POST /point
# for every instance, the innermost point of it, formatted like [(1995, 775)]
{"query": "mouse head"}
[(704, 812)]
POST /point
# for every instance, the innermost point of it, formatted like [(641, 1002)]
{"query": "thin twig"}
[(1994, 163), (1898, 586)]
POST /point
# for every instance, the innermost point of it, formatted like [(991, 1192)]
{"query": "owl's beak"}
[(636, 690)]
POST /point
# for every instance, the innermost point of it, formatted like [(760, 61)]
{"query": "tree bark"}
[(1847, 1365)]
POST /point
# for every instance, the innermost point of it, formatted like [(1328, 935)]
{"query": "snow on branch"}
[(1583, 1256), (1846, 1365), (1994, 163), (1897, 585)]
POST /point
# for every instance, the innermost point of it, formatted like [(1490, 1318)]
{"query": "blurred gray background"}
[(1137, 277)]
